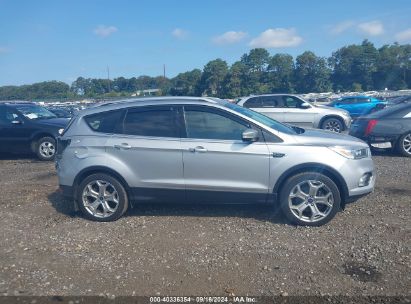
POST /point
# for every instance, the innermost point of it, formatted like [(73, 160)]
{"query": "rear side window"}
[(255, 102), (105, 122), (151, 121)]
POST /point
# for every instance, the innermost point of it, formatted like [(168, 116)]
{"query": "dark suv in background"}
[(26, 127)]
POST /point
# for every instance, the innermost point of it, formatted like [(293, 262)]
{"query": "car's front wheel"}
[(102, 198), (332, 124), (310, 199), (404, 145), (46, 148)]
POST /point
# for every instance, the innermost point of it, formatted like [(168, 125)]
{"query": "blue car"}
[(358, 105)]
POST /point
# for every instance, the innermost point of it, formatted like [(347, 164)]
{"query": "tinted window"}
[(255, 102), (7, 115), (397, 111), (270, 102), (204, 124), (105, 122), (292, 102), (151, 121)]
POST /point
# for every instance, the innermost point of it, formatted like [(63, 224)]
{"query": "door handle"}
[(199, 149), (124, 146)]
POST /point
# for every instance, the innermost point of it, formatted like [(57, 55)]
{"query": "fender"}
[(315, 167)]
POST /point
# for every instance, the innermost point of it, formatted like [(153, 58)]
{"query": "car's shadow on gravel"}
[(10, 156), (259, 212)]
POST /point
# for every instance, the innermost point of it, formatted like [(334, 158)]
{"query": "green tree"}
[(280, 73), (312, 73), (213, 77), (186, 84)]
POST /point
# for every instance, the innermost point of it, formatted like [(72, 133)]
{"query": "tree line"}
[(357, 67)]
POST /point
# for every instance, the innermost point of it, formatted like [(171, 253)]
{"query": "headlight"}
[(60, 131), (352, 153)]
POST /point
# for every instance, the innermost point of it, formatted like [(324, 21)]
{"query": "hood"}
[(314, 137), (54, 122)]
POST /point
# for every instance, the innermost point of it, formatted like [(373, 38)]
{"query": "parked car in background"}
[(60, 112), (206, 150), (26, 127), (398, 100), (388, 128), (358, 105), (293, 110)]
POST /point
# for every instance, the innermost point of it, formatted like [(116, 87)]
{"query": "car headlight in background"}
[(61, 131), (351, 153)]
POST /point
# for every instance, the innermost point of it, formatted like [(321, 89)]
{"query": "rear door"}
[(218, 166), (150, 145)]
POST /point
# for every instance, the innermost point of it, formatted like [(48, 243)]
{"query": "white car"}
[(293, 110)]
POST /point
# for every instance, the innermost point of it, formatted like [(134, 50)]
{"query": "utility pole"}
[(108, 78), (164, 70)]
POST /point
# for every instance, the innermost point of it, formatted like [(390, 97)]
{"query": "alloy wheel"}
[(333, 125), (100, 198), (311, 201)]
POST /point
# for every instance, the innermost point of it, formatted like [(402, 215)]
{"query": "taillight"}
[(371, 124)]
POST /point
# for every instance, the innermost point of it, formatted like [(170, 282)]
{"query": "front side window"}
[(292, 102), (205, 124), (271, 102), (7, 116), (151, 121)]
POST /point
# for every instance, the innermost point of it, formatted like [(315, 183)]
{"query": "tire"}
[(312, 211), (333, 124), (45, 148), (107, 203), (404, 145)]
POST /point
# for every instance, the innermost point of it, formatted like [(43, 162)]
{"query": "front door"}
[(14, 131), (295, 114), (218, 166)]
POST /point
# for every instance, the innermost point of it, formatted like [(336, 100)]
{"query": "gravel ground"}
[(47, 249)]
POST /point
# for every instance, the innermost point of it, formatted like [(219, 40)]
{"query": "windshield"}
[(35, 112), (265, 120)]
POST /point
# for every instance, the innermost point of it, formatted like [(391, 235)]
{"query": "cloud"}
[(229, 37), (341, 27), (105, 31), (179, 33), (277, 38), (372, 28), (404, 35)]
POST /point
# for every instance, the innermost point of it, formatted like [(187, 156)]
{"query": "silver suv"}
[(293, 110), (205, 150)]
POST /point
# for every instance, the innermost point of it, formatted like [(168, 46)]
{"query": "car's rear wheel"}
[(404, 145), (46, 148), (332, 124), (310, 199), (102, 198)]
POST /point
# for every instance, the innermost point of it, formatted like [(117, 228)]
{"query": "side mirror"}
[(250, 135), (16, 122), (305, 105)]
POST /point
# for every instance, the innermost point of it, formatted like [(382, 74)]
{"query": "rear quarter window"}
[(105, 122)]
